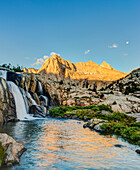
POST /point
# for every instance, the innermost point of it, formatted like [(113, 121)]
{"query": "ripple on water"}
[(65, 144)]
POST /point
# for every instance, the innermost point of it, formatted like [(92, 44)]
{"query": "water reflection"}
[(65, 144)]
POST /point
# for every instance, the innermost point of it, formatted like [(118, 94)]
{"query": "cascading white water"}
[(19, 101), (3, 74), (25, 99), (30, 97), (45, 100), (40, 88)]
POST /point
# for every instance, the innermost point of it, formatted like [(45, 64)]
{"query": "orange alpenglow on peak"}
[(58, 68), (106, 65)]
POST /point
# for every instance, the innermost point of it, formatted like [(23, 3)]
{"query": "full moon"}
[(127, 42)]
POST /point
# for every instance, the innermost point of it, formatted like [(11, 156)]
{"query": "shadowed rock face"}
[(57, 68), (14, 77), (7, 103)]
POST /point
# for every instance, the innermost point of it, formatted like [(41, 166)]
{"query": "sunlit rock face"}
[(57, 69), (30, 70), (106, 65)]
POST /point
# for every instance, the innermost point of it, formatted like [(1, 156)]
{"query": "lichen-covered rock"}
[(12, 148)]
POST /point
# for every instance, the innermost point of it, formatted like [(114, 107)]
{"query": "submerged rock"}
[(13, 150), (138, 151)]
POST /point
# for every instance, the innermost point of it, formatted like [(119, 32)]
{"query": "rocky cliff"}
[(32, 91), (7, 103)]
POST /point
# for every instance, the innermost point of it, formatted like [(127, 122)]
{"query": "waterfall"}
[(3, 74), (30, 97), (25, 99), (19, 101), (40, 89), (44, 99)]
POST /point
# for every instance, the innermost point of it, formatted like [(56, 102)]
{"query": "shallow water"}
[(65, 144)]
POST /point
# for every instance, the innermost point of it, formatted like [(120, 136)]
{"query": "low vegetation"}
[(2, 154), (64, 110), (118, 123), (130, 131)]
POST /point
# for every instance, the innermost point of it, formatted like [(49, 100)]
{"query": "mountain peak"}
[(57, 68), (106, 65), (55, 56)]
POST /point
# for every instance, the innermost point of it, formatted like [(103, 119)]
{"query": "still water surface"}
[(65, 144)]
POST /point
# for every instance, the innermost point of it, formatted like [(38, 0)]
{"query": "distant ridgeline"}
[(85, 75), (58, 69)]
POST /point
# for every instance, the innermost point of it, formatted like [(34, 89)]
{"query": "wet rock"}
[(119, 146), (12, 148), (138, 151), (85, 125), (38, 110), (98, 127)]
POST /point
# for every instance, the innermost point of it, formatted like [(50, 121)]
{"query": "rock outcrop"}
[(128, 84), (95, 124), (38, 111), (7, 103), (12, 149)]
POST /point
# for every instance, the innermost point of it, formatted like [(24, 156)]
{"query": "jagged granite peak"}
[(106, 65), (58, 69), (56, 65)]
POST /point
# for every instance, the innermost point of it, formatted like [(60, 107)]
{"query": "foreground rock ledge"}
[(13, 150)]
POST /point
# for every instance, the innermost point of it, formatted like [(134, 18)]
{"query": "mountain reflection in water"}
[(65, 144)]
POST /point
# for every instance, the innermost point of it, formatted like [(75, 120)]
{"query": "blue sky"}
[(78, 30)]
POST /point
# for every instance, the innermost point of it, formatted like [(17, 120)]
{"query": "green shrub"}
[(120, 117), (76, 97), (86, 97), (105, 107), (132, 134)]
